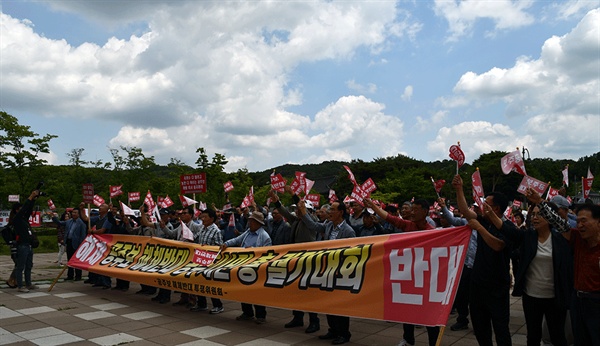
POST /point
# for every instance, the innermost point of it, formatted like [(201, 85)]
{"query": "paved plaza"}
[(77, 314)]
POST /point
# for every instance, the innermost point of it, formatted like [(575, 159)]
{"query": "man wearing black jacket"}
[(24, 238)]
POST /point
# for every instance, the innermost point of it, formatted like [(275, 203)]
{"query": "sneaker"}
[(32, 287), (244, 317), (23, 290), (12, 283), (404, 343), (459, 326), (216, 310), (197, 308), (260, 320)]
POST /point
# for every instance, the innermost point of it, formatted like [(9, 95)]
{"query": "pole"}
[(58, 277), (440, 335)]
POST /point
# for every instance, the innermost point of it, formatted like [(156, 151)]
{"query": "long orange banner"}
[(408, 277)]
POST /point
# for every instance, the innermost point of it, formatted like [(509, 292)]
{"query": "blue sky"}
[(269, 83)]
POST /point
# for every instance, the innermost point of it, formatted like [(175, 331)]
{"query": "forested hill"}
[(398, 178)]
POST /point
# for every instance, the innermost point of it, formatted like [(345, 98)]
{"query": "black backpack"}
[(8, 234)]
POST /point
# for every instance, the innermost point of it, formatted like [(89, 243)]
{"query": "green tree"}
[(21, 148)]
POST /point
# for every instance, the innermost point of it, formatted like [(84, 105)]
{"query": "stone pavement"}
[(78, 314)]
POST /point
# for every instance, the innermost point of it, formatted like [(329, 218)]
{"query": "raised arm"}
[(457, 183), (493, 242)]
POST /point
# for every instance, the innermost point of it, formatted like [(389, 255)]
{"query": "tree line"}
[(398, 178)]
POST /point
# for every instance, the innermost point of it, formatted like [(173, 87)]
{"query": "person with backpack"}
[(24, 239), (9, 236)]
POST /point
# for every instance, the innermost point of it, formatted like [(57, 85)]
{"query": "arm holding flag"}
[(454, 221), (457, 183)]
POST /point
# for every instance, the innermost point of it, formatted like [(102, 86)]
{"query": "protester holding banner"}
[(335, 228), (24, 239), (75, 233), (461, 302), (585, 244), (299, 233), (254, 236), (210, 235), (490, 279), (99, 225), (416, 221)]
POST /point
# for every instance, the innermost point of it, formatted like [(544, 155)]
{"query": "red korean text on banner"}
[(530, 182), (382, 273), (513, 162), (296, 186), (13, 198), (368, 186), (115, 191), (88, 193), (149, 201), (51, 205), (245, 202), (228, 186), (192, 183), (457, 155), (358, 195), (35, 220), (159, 201), (517, 204), (98, 200), (315, 198), (278, 183), (587, 186), (133, 196), (552, 192), (350, 175), (167, 202), (251, 195), (203, 257)]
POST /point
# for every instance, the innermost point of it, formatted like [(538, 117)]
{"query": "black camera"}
[(39, 186)]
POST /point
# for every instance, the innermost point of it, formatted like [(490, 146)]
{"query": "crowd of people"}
[(555, 260)]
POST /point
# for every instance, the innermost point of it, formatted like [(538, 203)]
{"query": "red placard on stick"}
[(88, 193), (193, 183)]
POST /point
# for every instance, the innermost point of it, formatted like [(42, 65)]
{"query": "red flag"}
[(589, 175), (149, 201), (517, 204), (351, 175), (513, 162), (358, 194), (552, 192), (332, 196), (51, 204), (167, 202), (457, 155), (438, 184), (159, 201), (228, 186), (538, 185), (186, 202), (246, 202), (115, 190), (565, 174), (133, 196), (587, 186), (277, 182), (368, 186), (98, 201), (478, 193), (301, 177), (309, 185), (315, 198), (296, 186), (231, 221)]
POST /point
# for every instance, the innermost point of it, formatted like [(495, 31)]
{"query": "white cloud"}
[(476, 138), (462, 15), (563, 79), (370, 88), (407, 94), (572, 8)]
